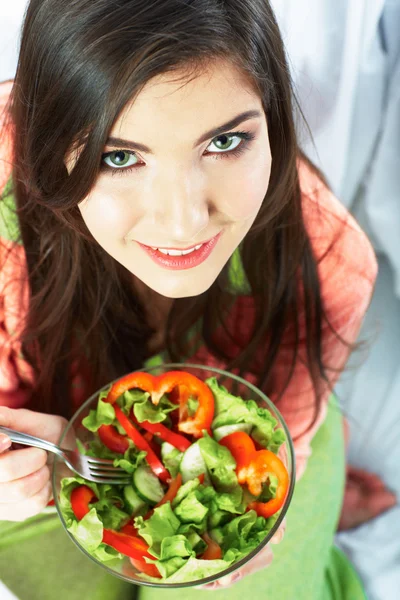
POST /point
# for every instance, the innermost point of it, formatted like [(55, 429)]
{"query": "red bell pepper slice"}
[(166, 383), (213, 550), (131, 546), (242, 448), (147, 568), (149, 438), (129, 529), (111, 438), (154, 462), (169, 496), (134, 547), (81, 497), (176, 440), (253, 467), (172, 490), (143, 381), (192, 386)]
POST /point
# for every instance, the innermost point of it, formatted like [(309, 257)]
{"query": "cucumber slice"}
[(147, 485), (171, 458), (132, 501), (166, 448), (224, 430), (193, 464)]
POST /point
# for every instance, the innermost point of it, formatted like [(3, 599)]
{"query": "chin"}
[(170, 288)]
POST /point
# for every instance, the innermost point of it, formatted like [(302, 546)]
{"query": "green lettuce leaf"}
[(201, 527), (184, 490), (103, 414), (192, 405), (131, 460), (276, 441), (242, 534), (176, 545), (129, 398), (171, 458), (162, 524), (170, 566), (191, 510), (196, 542), (269, 489), (88, 531), (105, 506), (143, 407), (97, 449), (231, 409), (220, 464), (196, 568)]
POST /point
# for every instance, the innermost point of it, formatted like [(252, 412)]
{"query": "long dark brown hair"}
[(80, 63)]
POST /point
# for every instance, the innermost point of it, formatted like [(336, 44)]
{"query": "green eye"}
[(224, 143), (119, 159)]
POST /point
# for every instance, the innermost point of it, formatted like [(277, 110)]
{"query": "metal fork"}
[(93, 469)]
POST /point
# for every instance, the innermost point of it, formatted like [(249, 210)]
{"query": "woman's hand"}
[(261, 561), (365, 497), (25, 487)]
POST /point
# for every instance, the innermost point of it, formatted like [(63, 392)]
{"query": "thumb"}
[(47, 427)]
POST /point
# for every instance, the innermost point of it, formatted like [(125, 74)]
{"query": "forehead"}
[(192, 101)]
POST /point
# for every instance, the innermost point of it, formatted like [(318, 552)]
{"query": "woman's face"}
[(183, 177)]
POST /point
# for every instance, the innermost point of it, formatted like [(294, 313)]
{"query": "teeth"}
[(178, 252)]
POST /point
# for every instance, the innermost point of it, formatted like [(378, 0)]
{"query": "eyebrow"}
[(116, 142)]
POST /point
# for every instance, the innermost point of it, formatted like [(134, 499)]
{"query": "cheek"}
[(243, 189), (108, 215)]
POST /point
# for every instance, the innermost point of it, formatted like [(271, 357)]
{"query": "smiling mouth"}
[(181, 258), (177, 252)]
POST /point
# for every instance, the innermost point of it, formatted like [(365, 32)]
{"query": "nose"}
[(178, 205)]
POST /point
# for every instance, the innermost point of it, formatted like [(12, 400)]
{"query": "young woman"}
[(155, 202)]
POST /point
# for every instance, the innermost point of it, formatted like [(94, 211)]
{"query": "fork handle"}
[(30, 440)]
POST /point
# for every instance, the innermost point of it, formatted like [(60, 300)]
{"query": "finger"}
[(20, 463), (26, 487), (278, 535), (365, 477), (224, 582), (346, 432), (19, 511), (49, 427), (262, 560), (5, 442), (376, 504)]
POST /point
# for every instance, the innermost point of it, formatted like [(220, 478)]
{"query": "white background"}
[(344, 56)]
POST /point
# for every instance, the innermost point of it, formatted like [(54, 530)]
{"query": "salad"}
[(206, 483)]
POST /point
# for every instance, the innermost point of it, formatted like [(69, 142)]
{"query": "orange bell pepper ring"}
[(253, 467), (186, 384)]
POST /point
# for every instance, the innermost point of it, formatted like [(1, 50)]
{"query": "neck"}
[(157, 309)]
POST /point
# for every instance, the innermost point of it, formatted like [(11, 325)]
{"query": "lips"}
[(180, 259)]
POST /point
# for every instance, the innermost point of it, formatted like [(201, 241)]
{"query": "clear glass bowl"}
[(236, 385)]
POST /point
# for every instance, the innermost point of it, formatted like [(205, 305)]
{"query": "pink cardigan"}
[(347, 273)]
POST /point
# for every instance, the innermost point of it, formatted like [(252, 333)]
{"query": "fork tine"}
[(98, 461), (109, 468), (108, 480)]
